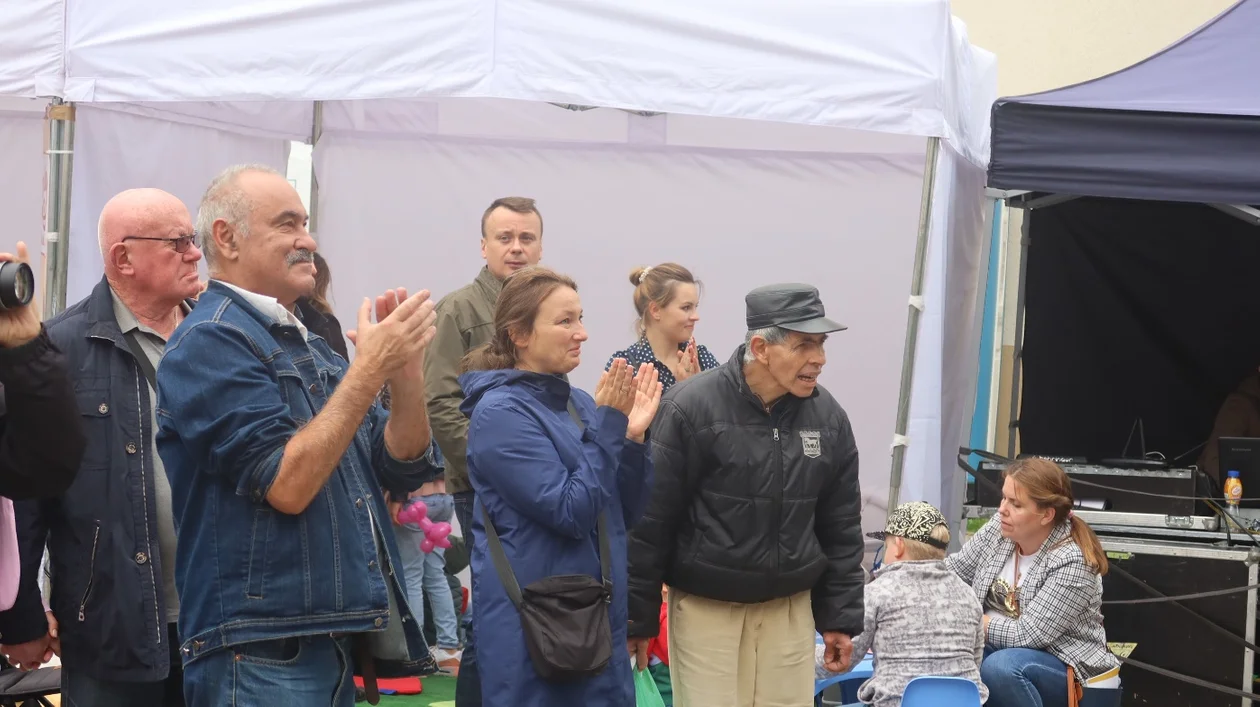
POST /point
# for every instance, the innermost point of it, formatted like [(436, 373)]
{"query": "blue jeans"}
[(1023, 677), (468, 685), (286, 672), (425, 572), (82, 690)]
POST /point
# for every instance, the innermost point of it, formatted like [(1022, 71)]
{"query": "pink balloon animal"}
[(434, 533)]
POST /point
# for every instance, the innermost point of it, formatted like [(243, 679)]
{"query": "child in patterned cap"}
[(921, 619)]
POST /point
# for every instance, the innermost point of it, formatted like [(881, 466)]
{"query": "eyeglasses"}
[(180, 243)]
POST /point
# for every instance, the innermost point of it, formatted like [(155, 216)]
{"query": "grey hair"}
[(772, 335), (225, 201)]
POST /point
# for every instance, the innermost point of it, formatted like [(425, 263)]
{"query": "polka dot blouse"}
[(641, 352)]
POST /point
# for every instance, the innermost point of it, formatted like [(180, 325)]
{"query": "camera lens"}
[(17, 285)]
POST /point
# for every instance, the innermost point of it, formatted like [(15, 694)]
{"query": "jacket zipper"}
[(778, 503), (96, 537)]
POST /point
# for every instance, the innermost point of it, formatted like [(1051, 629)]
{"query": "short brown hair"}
[(514, 314), (916, 550), (519, 204), (658, 284)]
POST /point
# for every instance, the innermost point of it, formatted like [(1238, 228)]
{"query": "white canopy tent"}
[(757, 143), (31, 50)]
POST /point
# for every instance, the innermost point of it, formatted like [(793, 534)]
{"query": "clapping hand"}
[(18, 325), (647, 398), (403, 330), (615, 388), (688, 362)]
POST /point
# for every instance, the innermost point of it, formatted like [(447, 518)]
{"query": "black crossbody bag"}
[(564, 617)]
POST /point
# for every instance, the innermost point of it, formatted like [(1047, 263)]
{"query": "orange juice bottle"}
[(1233, 492)]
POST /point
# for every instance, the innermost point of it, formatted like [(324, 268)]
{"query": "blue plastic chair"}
[(860, 673), (941, 692)]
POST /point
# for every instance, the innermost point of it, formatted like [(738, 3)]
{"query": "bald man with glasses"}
[(111, 536)]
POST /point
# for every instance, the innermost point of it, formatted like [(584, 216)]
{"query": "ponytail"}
[(1087, 541), (485, 358)]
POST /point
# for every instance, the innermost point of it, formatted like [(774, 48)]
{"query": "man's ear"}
[(226, 240), (758, 347), (120, 258)]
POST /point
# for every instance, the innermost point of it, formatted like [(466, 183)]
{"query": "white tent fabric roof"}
[(31, 47), (885, 65)]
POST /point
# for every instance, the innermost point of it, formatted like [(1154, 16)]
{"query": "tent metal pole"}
[(999, 323), (60, 118), (1018, 358), (317, 130), (912, 325)]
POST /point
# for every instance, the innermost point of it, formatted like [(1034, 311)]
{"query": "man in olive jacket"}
[(755, 518), (511, 239)]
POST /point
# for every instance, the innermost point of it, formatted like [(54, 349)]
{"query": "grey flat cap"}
[(792, 306)]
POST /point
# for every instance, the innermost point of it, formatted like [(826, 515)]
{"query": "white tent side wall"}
[(740, 203), (946, 362), (22, 176), (946, 359), (117, 150)]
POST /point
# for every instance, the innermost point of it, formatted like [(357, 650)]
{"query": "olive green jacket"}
[(465, 320)]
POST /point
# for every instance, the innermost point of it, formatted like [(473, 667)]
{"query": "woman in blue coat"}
[(544, 480)]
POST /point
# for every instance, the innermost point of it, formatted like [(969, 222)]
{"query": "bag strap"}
[(504, 568), (142, 359)]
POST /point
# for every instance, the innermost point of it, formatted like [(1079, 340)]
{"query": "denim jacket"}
[(234, 387)]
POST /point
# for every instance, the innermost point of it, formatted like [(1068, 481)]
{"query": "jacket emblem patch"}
[(811, 443)]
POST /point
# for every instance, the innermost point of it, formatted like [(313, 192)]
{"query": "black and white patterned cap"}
[(913, 521)]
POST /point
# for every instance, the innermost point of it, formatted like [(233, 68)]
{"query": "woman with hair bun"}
[(1037, 570), (667, 300)]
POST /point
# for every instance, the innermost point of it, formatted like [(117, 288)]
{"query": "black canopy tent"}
[(1182, 125), (1139, 299), (1139, 285)]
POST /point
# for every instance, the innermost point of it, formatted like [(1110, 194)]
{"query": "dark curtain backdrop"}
[(1135, 309)]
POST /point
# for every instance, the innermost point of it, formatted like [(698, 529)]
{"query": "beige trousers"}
[(741, 655)]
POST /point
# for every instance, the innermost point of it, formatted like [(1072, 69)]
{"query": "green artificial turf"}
[(437, 689)]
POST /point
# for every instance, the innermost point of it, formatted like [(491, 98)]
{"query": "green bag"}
[(645, 692)]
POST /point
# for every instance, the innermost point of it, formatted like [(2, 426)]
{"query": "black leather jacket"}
[(41, 443), (41, 439), (750, 506)]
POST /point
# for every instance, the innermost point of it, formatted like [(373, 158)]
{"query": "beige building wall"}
[(1046, 44)]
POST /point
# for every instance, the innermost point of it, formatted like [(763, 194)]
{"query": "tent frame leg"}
[(317, 131), (60, 117), (1017, 358), (912, 324)]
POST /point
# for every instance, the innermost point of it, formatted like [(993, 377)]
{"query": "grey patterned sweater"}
[(921, 619)]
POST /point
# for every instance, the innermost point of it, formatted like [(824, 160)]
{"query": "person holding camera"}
[(41, 443), (41, 438)]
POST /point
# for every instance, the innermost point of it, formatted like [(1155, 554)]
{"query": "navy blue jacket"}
[(544, 481), (102, 533)]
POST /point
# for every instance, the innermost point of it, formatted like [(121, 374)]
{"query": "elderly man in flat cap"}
[(754, 522)]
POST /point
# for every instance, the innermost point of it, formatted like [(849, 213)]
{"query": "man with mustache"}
[(511, 239), (754, 522), (111, 536), (277, 452)]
